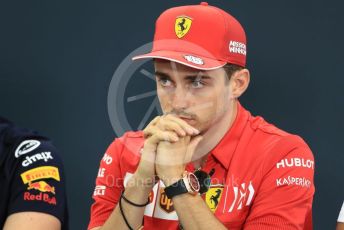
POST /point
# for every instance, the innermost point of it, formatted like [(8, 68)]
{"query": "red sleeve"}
[(109, 184), (284, 199)]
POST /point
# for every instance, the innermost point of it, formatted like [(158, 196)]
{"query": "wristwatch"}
[(188, 184)]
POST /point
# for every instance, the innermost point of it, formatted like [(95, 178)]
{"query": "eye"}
[(197, 84), (165, 82)]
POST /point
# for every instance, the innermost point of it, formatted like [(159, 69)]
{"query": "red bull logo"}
[(40, 197), (41, 186)]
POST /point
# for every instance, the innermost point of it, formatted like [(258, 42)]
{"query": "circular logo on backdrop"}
[(132, 99)]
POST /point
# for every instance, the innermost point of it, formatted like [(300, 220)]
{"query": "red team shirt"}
[(263, 179)]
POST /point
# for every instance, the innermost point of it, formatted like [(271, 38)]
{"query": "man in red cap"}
[(207, 163)]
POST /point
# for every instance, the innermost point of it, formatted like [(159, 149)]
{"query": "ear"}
[(239, 82)]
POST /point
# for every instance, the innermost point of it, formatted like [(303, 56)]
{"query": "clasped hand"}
[(169, 145)]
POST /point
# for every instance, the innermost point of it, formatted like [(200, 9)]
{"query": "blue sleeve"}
[(37, 179)]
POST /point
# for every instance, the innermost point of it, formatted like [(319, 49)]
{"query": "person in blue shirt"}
[(32, 181)]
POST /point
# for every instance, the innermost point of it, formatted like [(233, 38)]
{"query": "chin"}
[(203, 128)]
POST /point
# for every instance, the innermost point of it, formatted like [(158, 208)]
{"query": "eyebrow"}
[(162, 75), (188, 77)]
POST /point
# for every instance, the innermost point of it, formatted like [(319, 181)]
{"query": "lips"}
[(187, 119)]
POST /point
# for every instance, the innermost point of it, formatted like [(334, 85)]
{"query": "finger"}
[(191, 148), (151, 124), (149, 131), (166, 124), (188, 128), (162, 136), (148, 153), (151, 143), (169, 125), (155, 120)]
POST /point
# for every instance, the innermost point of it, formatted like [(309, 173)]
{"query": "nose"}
[(180, 99)]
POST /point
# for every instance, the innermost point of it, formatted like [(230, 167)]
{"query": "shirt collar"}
[(225, 149)]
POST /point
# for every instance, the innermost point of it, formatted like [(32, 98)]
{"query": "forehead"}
[(170, 67)]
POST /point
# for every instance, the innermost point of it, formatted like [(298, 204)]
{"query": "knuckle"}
[(169, 116), (161, 125), (147, 131)]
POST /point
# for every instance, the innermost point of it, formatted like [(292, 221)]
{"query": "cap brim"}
[(204, 63)]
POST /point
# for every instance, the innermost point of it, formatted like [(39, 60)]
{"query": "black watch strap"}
[(176, 189)]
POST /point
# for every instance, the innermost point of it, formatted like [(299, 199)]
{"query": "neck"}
[(215, 134)]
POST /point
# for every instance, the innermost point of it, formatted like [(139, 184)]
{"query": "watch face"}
[(194, 182)]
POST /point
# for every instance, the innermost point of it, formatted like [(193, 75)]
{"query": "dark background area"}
[(57, 59)]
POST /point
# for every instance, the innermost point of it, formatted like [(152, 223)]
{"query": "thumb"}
[(192, 147)]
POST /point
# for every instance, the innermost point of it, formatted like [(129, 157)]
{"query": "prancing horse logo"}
[(213, 196), (182, 26), (215, 199)]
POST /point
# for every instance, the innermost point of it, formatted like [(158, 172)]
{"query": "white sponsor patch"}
[(193, 59), (243, 196), (107, 159), (101, 172), (45, 156), (295, 162), (26, 147), (99, 190), (298, 181), (237, 47)]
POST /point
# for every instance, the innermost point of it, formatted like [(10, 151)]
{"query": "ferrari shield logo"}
[(213, 197), (182, 26)]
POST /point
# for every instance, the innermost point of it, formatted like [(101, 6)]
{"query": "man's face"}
[(201, 98)]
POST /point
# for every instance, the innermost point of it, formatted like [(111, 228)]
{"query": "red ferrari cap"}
[(200, 36)]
